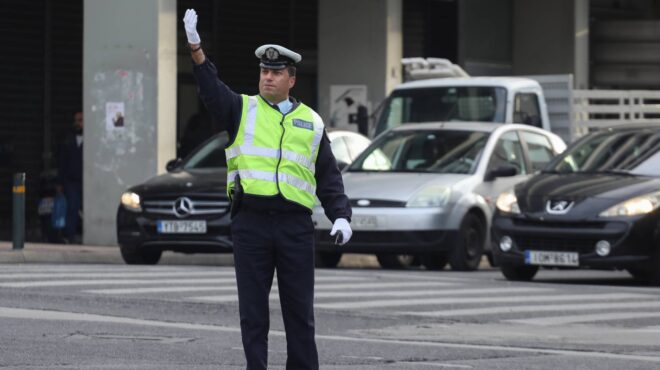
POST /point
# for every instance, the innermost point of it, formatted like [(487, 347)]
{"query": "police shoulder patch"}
[(303, 124)]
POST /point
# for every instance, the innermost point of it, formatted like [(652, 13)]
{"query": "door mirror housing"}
[(341, 165), (173, 164), (501, 171)]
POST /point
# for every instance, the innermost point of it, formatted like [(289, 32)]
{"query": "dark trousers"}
[(73, 194), (264, 243)]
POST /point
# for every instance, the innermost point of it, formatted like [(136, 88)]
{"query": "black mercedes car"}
[(185, 210), (593, 206)]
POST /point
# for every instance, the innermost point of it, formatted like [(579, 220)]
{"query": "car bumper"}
[(398, 230), (139, 230), (631, 241)]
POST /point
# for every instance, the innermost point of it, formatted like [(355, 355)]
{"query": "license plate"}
[(181, 227), (543, 258), (364, 222)]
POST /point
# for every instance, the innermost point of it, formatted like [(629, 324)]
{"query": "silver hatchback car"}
[(426, 192)]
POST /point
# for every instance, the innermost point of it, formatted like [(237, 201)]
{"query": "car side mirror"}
[(501, 171), (341, 165), (173, 164)]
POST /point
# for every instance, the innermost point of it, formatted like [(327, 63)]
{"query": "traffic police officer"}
[(278, 161)]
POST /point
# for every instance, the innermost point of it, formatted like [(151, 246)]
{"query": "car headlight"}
[(131, 201), (507, 202), (432, 196), (635, 206)]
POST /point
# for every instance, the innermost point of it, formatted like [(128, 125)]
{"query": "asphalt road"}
[(185, 317)]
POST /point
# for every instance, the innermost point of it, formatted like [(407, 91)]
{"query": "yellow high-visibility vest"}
[(275, 153)]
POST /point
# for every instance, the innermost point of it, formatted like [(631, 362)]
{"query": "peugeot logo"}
[(558, 207), (183, 207)]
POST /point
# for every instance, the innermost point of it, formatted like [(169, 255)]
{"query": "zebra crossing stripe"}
[(454, 300), (234, 298), (118, 281), (319, 287), (532, 308), (120, 275), (564, 320)]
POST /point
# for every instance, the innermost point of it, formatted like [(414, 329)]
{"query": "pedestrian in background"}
[(70, 170), (278, 162)]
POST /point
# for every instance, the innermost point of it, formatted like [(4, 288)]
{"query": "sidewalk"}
[(74, 253)]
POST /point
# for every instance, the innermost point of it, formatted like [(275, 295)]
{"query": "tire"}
[(518, 273), (469, 248), (638, 273), (134, 256), (396, 261), (327, 259), (435, 261)]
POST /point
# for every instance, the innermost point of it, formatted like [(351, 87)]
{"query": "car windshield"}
[(622, 152), (435, 151), (452, 103), (210, 154)]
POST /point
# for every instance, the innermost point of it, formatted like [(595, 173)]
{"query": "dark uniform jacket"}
[(226, 107)]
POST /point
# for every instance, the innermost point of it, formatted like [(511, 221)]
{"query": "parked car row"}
[(442, 193)]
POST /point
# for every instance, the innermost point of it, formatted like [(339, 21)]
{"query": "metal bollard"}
[(18, 192)]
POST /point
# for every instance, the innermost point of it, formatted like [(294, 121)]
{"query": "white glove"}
[(190, 24), (342, 225)]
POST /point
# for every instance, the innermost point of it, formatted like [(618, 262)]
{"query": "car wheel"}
[(435, 261), (396, 261), (652, 271), (519, 273), (134, 256), (327, 259), (467, 253)]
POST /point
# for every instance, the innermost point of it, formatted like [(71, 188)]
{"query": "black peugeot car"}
[(593, 206), (185, 210)]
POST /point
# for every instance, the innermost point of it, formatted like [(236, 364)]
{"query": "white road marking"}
[(318, 287), (116, 275), (564, 320), (32, 314), (452, 300), (234, 298), (53, 283), (532, 308)]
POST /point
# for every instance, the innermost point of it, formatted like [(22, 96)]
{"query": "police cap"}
[(276, 57)]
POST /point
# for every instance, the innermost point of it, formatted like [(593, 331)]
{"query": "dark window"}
[(526, 109)]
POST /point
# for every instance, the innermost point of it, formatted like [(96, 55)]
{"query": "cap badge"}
[(272, 54)]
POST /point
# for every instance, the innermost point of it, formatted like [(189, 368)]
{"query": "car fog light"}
[(506, 243), (603, 248)]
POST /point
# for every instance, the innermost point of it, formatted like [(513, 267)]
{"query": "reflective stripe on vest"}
[(244, 153)]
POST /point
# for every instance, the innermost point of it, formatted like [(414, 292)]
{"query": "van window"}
[(443, 104), (526, 109)]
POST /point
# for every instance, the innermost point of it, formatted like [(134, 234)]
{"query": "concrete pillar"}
[(360, 43), (129, 83), (552, 38)]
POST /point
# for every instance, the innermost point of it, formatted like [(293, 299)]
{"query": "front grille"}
[(582, 246), (198, 205), (559, 224)]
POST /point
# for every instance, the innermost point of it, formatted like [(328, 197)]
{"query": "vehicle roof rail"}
[(425, 68)]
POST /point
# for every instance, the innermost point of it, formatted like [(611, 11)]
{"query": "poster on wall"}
[(344, 102), (114, 116)]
